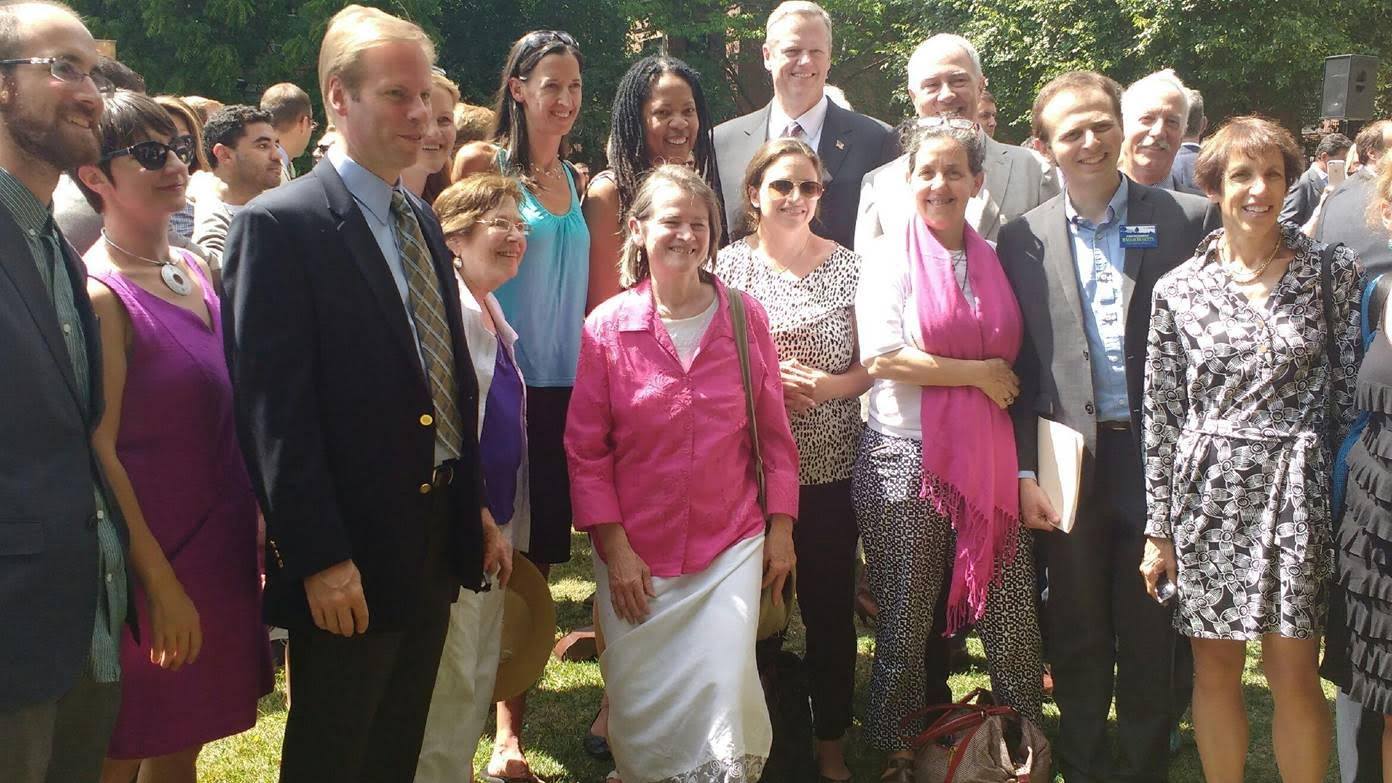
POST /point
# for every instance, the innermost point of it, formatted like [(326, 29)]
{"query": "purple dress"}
[(178, 444)]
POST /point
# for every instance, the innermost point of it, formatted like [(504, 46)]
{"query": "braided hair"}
[(629, 159), (510, 128)]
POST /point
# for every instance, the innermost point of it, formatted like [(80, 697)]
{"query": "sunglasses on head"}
[(154, 155), (548, 36), (807, 187)]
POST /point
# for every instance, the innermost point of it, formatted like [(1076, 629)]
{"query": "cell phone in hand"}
[(1165, 590), (1338, 171)]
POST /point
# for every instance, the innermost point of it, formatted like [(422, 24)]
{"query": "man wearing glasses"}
[(64, 595), (945, 81)]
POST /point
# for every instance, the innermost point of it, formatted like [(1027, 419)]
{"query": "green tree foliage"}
[(1260, 55)]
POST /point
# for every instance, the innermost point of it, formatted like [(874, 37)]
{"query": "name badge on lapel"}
[(1139, 237)]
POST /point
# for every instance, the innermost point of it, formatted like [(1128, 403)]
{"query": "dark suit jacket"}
[(48, 523), (851, 145), (1182, 170), (329, 394), (1053, 365), (1304, 196), (1345, 219)]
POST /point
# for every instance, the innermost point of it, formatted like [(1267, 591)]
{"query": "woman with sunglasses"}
[(169, 448), (539, 99), (807, 285), (935, 476), (659, 116)]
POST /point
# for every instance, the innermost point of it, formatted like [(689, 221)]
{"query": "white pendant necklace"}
[(173, 277)]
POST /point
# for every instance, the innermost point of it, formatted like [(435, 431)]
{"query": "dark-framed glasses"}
[(503, 224), (153, 155), (948, 121), (65, 70), (807, 188)]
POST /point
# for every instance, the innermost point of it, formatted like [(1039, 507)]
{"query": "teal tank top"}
[(545, 302)]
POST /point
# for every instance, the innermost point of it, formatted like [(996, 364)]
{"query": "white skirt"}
[(685, 703)]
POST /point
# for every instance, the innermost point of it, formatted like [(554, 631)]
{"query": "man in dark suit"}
[(1305, 194), (1182, 172), (797, 54), (1345, 214), (64, 592), (1155, 112), (356, 408), (1083, 265)]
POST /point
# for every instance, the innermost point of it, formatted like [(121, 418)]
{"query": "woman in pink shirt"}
[(662, 477)]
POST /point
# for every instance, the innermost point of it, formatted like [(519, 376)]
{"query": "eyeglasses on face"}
[(503, 224), (154, 155), (948, 121), (807, 188), (65, 70)]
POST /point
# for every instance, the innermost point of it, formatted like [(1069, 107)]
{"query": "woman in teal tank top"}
[(538, 101)]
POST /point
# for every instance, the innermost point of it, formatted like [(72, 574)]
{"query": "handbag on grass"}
[(772, 619), (977, 740)]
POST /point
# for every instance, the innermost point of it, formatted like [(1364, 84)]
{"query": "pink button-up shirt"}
[(666, 452)]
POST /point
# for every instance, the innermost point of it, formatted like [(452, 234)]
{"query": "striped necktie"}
[(432, 330), (795, 131)]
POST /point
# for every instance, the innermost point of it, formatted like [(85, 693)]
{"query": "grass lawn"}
[(562, 707)]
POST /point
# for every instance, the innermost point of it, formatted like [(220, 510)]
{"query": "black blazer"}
[(1054, 362), (850, 146), (48, 523), (330, 394)]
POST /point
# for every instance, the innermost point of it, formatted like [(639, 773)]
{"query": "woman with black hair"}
[(659, 116), (539, 99)]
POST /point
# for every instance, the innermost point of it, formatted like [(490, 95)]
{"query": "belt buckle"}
[(443, 475)]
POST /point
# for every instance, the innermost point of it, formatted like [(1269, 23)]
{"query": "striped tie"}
[(428, 311), (794, 131)]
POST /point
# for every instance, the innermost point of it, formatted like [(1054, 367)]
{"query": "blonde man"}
[(356, 407)]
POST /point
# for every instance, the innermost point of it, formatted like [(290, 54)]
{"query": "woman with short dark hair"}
[(169, 447), (1242, 400)]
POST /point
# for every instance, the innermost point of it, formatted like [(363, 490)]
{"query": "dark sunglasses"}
[(808, 188), (537, 37), (153, 155)]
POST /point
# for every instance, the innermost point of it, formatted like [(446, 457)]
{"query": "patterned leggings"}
[(906, 549)]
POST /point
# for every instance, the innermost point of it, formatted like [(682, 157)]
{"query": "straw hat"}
[(529, 630)]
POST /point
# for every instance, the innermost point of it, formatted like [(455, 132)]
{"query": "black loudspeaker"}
[(1350, 82)]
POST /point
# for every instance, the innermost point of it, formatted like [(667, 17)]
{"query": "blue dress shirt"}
[(1100, 261)]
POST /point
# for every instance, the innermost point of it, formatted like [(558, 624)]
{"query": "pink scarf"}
[(969, 462)]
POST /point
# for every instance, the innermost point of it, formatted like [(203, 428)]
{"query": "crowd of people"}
[(342, 403)]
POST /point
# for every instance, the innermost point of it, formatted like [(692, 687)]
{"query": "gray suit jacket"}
[(48, 524), (851, 144), (1053, 366), (1304, 196), (1016, 182), (1345, 219)]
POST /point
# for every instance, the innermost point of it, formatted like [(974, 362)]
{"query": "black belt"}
[(1114, 426)]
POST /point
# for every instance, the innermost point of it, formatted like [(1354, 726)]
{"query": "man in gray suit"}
[(944, 79), (797, 54), (64, 595), (1083, 265), (1345, 214)]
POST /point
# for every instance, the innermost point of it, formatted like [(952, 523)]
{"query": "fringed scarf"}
[(970, 470)]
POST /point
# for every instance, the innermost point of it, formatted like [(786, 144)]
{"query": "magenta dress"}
[(178, 444)]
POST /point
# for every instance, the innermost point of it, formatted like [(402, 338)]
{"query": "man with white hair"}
[(945, 81), (797, 54), (1154, 114)]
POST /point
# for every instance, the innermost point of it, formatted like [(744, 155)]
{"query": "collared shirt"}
[(1100, 261), (812, 122), (666, 452), (374, 197), (45, 243)]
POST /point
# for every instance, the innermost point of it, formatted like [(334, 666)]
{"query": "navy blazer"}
[(331, 400), (48, 523)]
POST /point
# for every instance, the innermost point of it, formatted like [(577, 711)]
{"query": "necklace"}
[(552, 172), (1252, 273), (779, 267), (173, 277)]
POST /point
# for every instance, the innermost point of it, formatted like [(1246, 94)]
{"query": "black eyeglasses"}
[(807, 187), (154, 155), (67, 71)]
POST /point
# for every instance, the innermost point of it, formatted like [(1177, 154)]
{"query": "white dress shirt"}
[(812, 122)]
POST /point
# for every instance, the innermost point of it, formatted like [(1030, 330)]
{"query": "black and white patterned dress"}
[(1236, 452), (813, 320)]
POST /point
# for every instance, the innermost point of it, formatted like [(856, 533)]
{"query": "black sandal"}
[(596, 747)]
